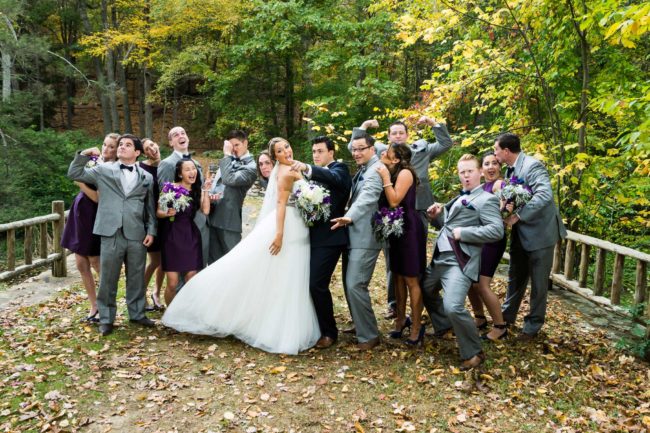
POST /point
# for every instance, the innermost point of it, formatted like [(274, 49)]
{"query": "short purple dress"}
[(408, 253), (78, 234), (153, 171), (492, 252), (180, 242)]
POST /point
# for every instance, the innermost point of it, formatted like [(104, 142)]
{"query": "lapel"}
[(453, 211), (519, 165), (115, 168)]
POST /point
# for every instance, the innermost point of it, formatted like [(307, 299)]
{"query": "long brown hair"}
[(403, 153)]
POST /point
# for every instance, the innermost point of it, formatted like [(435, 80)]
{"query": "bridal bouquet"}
[(515, 192), (388, 222), (313, 203), (173, 196), (92, 162)]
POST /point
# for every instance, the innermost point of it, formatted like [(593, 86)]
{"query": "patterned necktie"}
[(509, 172), (359, 175)]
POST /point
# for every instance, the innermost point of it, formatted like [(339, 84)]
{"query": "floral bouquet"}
[(92, 162), (175, 197), (313, 203), (388, 222), (514, 191)]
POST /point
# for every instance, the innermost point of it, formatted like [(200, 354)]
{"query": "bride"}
[(259, 291)]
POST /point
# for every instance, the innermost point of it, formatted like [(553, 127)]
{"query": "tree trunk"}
[(110, 73), (148, 111), (121, 70), (100, 84), (288, 96), (6, 75), (179, 47)]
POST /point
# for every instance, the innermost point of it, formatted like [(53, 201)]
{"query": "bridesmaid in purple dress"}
[(180, 239), (150, 165), (78, 234), (407, 259), (480, 293)]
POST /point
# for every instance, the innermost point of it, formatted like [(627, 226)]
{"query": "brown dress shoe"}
[(325, 342), (473, 362), (368, 345)]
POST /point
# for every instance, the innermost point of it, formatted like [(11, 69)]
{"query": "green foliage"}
[(34, 166)]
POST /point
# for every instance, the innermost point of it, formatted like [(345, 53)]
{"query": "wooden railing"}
[(563, 272), (57, 257)]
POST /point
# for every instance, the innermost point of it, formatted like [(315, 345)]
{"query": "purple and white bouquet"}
[(174, 196), (93, 161), (388, 222), (514, 191), (313, 202)]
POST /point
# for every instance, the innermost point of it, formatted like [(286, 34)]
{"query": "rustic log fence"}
[(563, 273), (57, 258)]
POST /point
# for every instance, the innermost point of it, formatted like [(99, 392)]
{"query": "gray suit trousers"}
[(358, 266), (221, 242), (446, 274), (524, 265), (114, 251)]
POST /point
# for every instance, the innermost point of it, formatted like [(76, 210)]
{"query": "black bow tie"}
[(186, 156), (414, 146), (509, 172), (463, 192), (234, 158), (126, 167)]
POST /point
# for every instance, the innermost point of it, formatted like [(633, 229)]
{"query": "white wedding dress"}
[(259, 298)]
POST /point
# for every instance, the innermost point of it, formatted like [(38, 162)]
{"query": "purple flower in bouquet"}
[(174, 197), (388, 222), (516, 192)]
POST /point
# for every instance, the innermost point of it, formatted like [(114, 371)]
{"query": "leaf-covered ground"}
[(59, 375)]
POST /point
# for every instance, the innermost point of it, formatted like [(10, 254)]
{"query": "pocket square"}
[(467, 204)]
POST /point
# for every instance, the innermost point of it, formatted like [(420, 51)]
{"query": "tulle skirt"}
[(261, 299)]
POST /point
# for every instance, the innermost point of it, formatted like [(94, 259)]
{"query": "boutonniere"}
[(467, 204)]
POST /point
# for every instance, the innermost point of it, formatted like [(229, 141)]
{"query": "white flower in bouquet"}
[(313, 202), (174, 197)]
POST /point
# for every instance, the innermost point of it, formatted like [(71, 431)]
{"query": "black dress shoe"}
[(145, 321), (105, 329)]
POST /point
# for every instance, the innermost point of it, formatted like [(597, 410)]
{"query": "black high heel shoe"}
[(398, 334), (420, 338), (503, 326), (483, 324), (156, 306), (92, 318)]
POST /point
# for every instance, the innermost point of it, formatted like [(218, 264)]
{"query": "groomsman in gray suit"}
[(468, 221), (180, 142), (237, 173), (125, 221), (359, 261), (423, 152), (536, 228)]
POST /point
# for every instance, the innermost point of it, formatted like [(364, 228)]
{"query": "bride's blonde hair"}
[(272, 143)]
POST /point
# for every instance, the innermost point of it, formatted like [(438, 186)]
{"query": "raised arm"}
[(78, 170), (236, 175)]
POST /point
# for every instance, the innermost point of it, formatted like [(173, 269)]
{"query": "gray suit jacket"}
[(236, 178), (135, 213), (364, 198), (166, 170), (481, 222), (423, 153), (540, 225)]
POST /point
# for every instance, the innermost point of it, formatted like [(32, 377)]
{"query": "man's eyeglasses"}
[(359, 149)]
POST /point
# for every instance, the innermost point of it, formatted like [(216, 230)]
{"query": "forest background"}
[(570, 76)]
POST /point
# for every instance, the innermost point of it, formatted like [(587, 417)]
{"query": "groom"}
[(326, 246)]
